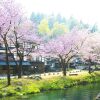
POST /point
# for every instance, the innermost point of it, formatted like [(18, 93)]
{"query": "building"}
[(12, 63)]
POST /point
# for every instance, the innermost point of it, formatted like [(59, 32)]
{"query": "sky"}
[(86, 10)]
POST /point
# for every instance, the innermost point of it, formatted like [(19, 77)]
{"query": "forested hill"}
[(53, 25)]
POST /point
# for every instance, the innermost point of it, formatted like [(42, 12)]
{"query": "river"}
[(86, 92)]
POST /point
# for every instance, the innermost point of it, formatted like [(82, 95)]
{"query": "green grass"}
[(30, 86)]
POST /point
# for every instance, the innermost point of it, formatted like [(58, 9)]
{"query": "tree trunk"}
[(64, 69), (64, 72), (8, 76), (20, 69), (7, 62), (20, 72), (89, 69), (63, 65), (89, 66)]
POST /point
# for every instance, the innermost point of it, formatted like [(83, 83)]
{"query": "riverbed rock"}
[(98, 97)]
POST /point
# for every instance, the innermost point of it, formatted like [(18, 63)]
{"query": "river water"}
[(86, 92)]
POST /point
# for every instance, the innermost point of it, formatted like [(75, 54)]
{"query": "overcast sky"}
[(86, 10)]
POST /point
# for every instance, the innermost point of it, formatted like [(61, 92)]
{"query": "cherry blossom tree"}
[(66, 47), (13, 30), (9, 13), (24, 40), (90, 51)]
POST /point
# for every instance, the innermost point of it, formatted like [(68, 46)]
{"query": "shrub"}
[(18, 88), (32, 88), (1, 95)]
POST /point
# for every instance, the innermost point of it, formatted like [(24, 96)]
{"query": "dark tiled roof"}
[(12, 63), (3, 48)]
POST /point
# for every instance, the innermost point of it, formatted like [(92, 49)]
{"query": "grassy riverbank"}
[(30, 86)]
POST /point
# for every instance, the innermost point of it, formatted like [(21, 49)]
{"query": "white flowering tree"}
[(66, 47)]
